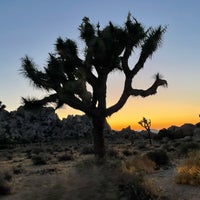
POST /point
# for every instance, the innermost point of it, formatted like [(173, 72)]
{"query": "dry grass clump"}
[(109, 180), (90, 179), (140, 164), (40, 159), (6, 182), (160, 157), (112, 153), (189, 172), (86, 150), (65, 156), (18, 169)]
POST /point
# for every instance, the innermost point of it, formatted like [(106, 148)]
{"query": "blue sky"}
[(32, 27)]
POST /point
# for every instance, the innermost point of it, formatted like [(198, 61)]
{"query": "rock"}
[(22, 126), (196, 133)]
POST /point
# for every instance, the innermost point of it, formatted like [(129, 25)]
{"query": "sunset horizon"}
[(176, 59)]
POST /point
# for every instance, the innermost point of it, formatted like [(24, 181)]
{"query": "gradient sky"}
[(32, 27)]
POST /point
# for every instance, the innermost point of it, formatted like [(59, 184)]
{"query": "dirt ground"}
[(164, 181), (54, 181)]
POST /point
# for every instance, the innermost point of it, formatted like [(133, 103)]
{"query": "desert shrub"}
[(40, 159), (141, 164), (65, 156), (131, 187), (141, 145), (18, 169), (5, 182), (89, 180), (58, 147), (127, 152), (46, 171), (32, 151), (37, 150), (187, 147), (176, 144), (189, 172), (8, 155), (160, 157), (112, 153), (113, 177), (168, 147), (87, 150)]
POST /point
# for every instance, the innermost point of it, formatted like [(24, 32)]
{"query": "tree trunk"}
[(98, 136), (149, 136)]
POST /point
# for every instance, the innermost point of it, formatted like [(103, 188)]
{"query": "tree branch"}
[(124, 59), (74, 102), (124, 97), (150, 91)]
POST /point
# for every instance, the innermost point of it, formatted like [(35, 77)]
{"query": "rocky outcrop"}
[(185, 131), (22, 126)]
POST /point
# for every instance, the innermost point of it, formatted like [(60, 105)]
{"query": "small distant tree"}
[(2, 106), (147, 125), (67, 75)]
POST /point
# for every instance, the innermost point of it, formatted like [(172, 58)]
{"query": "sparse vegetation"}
[(141, 164), (116, 179), (189, 172), (185, 148), (160, 157), (66, 76), (122, 175), (112, 153), (88, 149), (5, 182), (127, 152), (147, 125), (40, 159), (65, 156), (18, 169)]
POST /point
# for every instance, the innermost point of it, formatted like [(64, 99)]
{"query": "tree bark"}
[(98, 136), (149, 136)]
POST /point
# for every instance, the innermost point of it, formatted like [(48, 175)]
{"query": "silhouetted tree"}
[(2, 106), (66, 75), (147, 125)]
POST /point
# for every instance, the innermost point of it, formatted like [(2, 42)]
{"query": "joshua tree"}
[(147, 125), (67, 75), (2, 106)]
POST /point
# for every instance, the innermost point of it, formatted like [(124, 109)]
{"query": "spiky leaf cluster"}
[(66, 75)]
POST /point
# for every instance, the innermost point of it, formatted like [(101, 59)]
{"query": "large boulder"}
[(42, 125), (79, 126), (186, 129)]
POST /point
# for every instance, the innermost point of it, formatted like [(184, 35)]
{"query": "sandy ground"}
[(164, 181)]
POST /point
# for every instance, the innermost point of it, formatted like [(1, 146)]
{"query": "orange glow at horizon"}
[(162, 115)]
